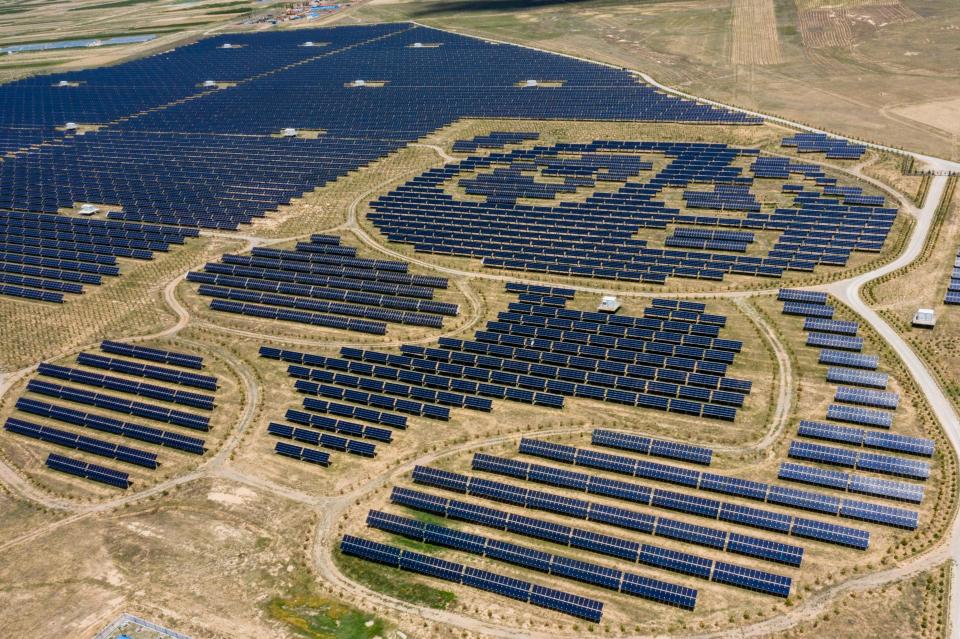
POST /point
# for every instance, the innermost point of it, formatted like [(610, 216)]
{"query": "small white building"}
[(289, 132), (925, 318), (531, 83), (88, 209), (209, 83), (609, 304), (71, 126)]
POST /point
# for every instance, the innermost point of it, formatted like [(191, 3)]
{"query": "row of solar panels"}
[(558, 565), (493, 140), (397, 222), (105, 424), (302, 317), (885, 464), (901, 491), (153, 354), (81, 442), (174, 376), (771, 583), (295, 291), (654, 447), (324, 440), (119, 404), (549, 598), (683, 502), (759, 491), (279, 261), (372, 315), (303, 454), (952, 295), (867, 438), (86, 470), (110, 382), (301, 274)]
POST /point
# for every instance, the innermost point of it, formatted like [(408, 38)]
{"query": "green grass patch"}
[(310, 615), (393, 582)]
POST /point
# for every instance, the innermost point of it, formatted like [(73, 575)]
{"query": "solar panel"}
[(751, 579), (851, 360), (857, 415), (866, 397), (794, 295), (836, 342), (831, 533), (580, 607), (808, 310), (839, 327), (657, 448), (856, 377)]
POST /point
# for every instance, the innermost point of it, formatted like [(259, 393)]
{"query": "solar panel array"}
[(550, 598), (653, 447), (63, 405), (582, 509), (43, 257), (835, 342), (835, 148), (680, 502), (87, 470), (839, 327), (603, 544), (867, 438), (681, 368), (493, 140), (558, 565), (867, 397), (856, 377), (883, 464), (897, 490), (953, 288), (861, 392), (759, 491), (323, 283), (594, 236), (172, 150)]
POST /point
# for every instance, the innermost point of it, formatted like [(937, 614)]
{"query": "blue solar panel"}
[(657, 448), (857, 415), (851, 360), (581, 607)]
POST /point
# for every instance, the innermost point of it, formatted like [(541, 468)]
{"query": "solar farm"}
[(382, 330)]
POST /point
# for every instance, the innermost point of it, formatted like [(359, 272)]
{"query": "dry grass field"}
[(754, 33)]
